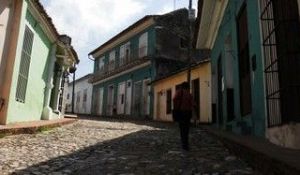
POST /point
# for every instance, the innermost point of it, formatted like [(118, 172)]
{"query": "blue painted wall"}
[(256, 120), (137, 75)]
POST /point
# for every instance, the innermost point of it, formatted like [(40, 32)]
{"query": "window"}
[(169, 101), (24, 65), (244, 62), (112, 58), (101, 64), (125, 53), (68, 96), (143, 45), (280, 26)]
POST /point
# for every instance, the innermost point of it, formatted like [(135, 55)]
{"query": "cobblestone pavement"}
[(115, 147)]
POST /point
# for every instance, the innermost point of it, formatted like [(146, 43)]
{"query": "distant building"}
[(165, 88), (126, 64), (34, 61), (82, 96), (255, 58)]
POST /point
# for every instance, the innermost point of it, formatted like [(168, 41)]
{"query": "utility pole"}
[(191, 20), (73, 70), (73, 93)]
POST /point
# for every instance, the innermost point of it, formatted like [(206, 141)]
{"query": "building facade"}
[(82, 96), (165, 89), (255, 60), (126, 64), (34, 62)]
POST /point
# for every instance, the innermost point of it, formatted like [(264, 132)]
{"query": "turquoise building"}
[(237, 65), (255, 66), (126, 64), (34, 63)]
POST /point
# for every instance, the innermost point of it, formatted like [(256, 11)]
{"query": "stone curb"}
[(34, 129), (256, 158)]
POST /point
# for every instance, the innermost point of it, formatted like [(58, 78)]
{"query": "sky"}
[(91, 23)]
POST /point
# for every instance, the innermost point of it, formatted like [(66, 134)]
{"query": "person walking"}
[(183, 102)]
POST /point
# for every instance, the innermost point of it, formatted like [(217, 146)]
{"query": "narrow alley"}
[(116, 147)]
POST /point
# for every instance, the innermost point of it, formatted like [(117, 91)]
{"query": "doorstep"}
[(34, 126), (268, 158)]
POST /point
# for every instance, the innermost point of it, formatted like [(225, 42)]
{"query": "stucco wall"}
[(33, 106), (286, 135), (80, 86), (253, 123), (203, 73)]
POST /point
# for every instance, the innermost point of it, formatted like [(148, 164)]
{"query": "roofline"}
[(182, 70), (49, 28), (198, 22), (40, 12), (145, 18), (82, 78)]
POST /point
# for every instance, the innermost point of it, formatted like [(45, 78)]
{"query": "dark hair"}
[(185, 85)]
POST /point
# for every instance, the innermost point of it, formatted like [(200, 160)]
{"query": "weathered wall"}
[(286, 135), (160, 88), (172, 29)]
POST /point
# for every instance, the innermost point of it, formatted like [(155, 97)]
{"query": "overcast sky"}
[(91, 23)]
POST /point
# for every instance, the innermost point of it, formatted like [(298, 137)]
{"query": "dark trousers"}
[(184, 126)]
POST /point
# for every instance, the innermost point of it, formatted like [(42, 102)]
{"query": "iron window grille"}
[(281, 47)]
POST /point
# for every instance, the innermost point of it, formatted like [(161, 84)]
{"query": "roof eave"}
[(101, 47), (211, 18)]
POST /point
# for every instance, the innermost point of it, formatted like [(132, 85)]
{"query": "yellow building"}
[(164, 91)]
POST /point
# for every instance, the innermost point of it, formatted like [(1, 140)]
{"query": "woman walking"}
[(184, 104)]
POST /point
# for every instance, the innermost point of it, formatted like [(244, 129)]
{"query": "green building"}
[(34, 62), (255, 66), (126, 64)]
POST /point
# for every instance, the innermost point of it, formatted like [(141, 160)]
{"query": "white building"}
[(82, 94)]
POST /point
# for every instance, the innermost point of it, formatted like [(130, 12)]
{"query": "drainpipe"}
[(47, 111), (72, 71)]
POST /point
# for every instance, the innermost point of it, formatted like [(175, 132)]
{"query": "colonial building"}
[(165, 88), (255, 61), (82, 100), (34, 61), (126, 64)]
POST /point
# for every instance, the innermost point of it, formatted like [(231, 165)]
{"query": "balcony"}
[(134, 58)]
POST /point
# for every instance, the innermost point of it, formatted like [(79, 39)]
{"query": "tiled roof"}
[(50, 24)]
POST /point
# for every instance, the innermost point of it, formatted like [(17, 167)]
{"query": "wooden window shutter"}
[(24, 65)]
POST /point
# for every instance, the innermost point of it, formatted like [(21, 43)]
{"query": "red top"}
[(183, 100)]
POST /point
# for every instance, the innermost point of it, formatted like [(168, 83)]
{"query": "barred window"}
[(24, 65)]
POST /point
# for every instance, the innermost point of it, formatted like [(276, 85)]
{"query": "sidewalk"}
[(260, 153), (34, 126)]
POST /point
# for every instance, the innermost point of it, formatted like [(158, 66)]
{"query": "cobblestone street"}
[(115, 147)]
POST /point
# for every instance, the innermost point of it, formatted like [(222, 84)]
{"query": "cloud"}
[(90, 23), (91, 19)]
